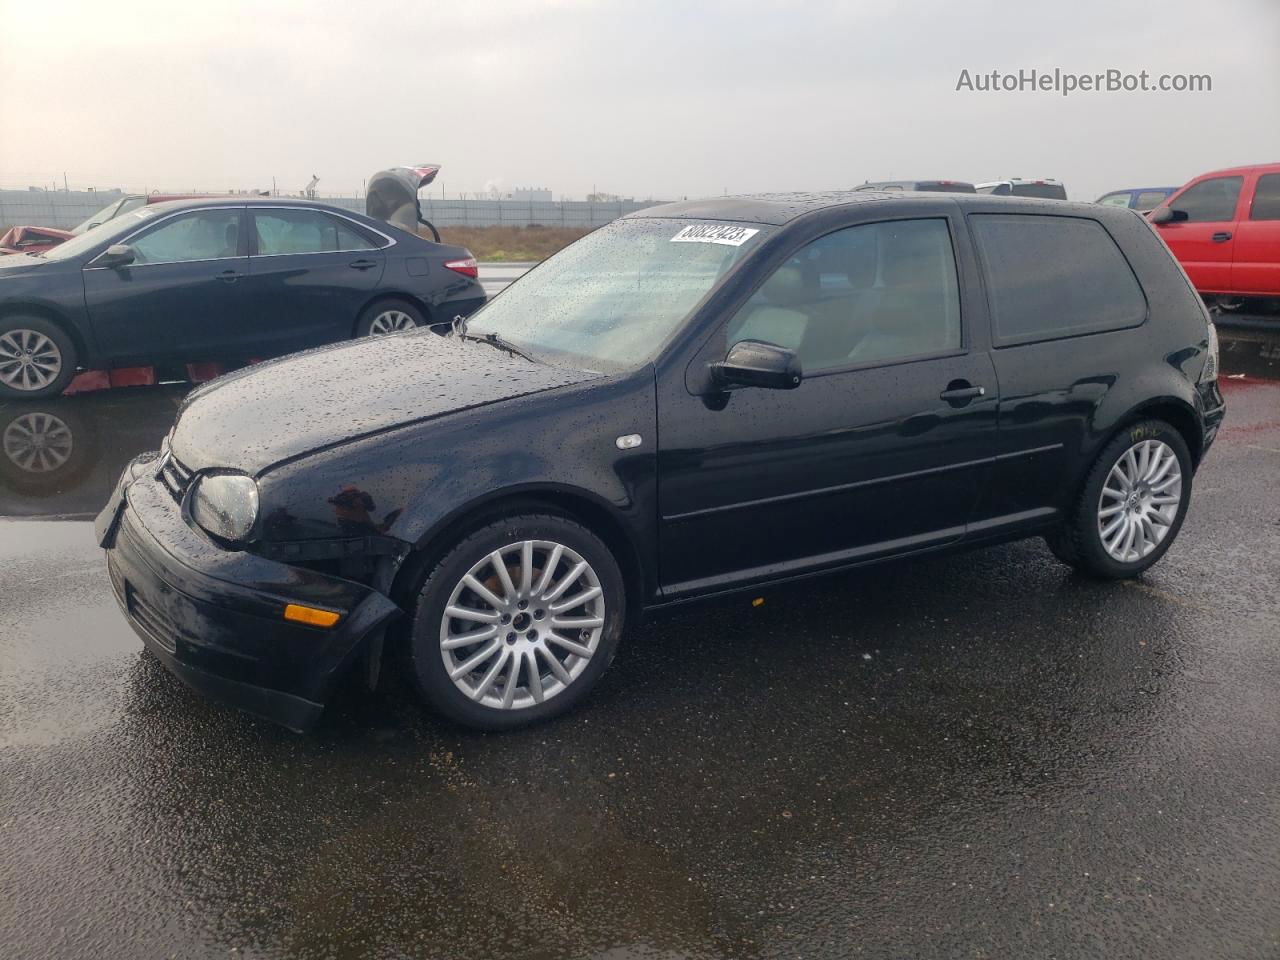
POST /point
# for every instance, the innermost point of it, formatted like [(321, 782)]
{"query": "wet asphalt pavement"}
[(978, 755)]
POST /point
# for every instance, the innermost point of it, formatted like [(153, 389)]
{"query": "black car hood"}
[(20, 264), (277, 411)]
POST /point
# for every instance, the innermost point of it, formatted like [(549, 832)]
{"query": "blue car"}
[(1141, 199)]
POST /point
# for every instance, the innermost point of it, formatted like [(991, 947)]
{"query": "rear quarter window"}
[(1050, 277)]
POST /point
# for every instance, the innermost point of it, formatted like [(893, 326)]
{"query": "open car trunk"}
[(393, 196)]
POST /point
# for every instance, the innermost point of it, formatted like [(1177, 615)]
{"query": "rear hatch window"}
[(1042, 191)]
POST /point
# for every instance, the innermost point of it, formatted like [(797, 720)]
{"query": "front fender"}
[(412, 483)]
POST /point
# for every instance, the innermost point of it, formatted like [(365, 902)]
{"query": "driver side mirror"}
[(1168, 215), (116, 255), (755, 363)]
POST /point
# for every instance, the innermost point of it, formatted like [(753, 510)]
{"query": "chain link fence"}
[(65, 209)]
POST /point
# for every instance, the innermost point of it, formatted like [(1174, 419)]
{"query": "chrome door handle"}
[(963, 393)]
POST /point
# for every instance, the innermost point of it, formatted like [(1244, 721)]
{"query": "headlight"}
[(226, 505)]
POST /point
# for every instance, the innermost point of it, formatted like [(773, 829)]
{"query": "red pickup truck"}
[(1225, 229)]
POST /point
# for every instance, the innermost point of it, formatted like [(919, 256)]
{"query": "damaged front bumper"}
[(215, 617)]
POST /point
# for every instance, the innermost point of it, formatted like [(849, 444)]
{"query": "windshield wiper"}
[(496, 341)]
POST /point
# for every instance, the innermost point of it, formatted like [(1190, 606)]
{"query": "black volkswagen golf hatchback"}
[(700, 398)]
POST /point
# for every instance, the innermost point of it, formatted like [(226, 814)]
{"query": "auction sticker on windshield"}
[(729, 236)]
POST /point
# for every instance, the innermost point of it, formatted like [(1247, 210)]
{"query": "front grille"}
[(150, 618), (175, 477)]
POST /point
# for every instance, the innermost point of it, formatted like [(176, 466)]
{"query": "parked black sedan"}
[(702, 398), (218, 279)]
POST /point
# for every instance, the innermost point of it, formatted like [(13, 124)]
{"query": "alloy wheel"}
[(29, 360), (522, 624), (37, 442), (1140, 500), (391, 321)]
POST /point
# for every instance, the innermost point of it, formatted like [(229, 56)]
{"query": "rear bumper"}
[(1213, 411), (461, 305), (214, 617)]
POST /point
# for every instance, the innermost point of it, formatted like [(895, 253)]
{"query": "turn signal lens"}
[(310, 615)]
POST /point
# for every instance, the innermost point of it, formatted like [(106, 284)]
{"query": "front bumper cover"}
[(214, 616)]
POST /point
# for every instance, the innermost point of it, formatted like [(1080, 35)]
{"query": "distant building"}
[(531, 194)]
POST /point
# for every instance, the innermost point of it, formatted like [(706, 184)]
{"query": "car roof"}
[(779, 208), (249, 200), (1247, 168)]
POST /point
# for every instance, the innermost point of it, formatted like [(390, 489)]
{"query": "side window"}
[(1053, 277), (304, 231), (868, 294), (1115, 199), (200, 235), (1210, 201), (1149, 200), (1266, 201)]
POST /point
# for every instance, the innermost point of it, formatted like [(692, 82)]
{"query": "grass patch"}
[(497, 244)]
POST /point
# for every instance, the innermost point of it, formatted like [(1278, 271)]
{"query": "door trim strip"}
[(842, 487)]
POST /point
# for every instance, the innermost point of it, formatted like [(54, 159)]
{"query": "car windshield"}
[(108, 231), (109, 212), (613, 298)]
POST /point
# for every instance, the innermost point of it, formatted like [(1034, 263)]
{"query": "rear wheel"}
[(517, 622), (1132, 505), (37, 358), (388, 316)]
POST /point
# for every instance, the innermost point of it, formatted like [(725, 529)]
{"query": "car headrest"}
[(786, 287), (910, 255)]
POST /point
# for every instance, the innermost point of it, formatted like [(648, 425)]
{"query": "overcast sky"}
[(661, 99)]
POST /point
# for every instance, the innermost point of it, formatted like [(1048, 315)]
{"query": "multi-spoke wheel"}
[(517, 622), (36, 358), (37, 442), (1132, 504), (1139, 500), (388, 316)]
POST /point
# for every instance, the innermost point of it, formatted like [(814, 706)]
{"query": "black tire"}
[(427, 659), (66, 352), (1078, 542), (371, 314)]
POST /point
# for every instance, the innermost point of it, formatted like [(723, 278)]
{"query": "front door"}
[(181, 296), (310, 274), (884, 446), (1204, 243)]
